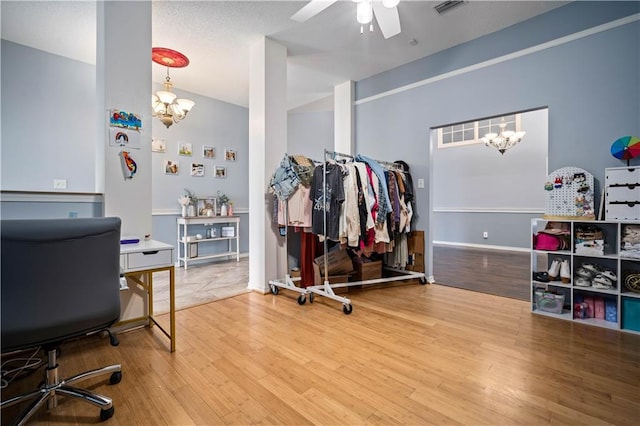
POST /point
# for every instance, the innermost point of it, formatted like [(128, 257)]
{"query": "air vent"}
[(447, 5)]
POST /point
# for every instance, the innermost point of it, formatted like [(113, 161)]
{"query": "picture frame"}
[(185, 149), (207, 206), (193, 250), (197, 169), (220, 172), (171, 167), (158, 145), (229, 155), (208, 151)]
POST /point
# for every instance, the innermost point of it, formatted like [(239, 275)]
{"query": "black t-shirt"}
[(334, 197)]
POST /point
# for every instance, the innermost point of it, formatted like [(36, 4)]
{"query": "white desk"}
[(183, 232), (138, 263)]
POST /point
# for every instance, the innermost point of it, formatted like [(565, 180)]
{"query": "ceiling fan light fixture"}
[(364, 12)]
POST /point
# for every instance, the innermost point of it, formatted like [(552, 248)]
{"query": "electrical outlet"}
[(59, 184), (485, 235)]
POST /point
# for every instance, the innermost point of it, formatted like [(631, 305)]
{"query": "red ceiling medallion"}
[(168, 57)]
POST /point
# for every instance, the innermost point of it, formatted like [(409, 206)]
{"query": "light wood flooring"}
[(408, 354)]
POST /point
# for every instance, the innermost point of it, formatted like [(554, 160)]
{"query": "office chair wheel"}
[(107, 414), (302, 299), (274, 289), (115, 378)]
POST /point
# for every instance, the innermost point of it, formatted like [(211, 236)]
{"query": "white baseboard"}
[(480, 246)]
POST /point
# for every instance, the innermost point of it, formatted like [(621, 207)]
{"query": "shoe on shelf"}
[(603, 283), (594, 268), (554, 270), (582, 282), (542, 277), (565, 272), (609, 274), (584, 273)]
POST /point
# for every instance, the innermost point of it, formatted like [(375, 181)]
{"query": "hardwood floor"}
[(499, 272), (408, 354)]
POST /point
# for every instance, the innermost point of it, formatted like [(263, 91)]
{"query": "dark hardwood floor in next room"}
[(499, 272)]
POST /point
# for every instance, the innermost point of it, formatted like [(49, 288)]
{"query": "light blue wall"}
[(48, 121), (211, 122), (591, 86)]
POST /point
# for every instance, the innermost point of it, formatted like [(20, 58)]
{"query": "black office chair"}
[(60, 281)]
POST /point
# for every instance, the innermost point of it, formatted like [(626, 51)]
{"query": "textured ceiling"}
[(324, 51)]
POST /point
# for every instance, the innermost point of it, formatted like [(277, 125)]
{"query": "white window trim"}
[(476, 137)]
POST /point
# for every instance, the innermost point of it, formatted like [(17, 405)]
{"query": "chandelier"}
[(164, 103), (504, 140)]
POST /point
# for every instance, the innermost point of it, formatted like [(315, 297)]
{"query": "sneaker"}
[(609, 274), (602, 282), (593, 267), (582, 282), (565, 271), (542, 277), (584, 273)]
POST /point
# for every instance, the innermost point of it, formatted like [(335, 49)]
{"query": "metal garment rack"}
[(288, 282), (326, 289)]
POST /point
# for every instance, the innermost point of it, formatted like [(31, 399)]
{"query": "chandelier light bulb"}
[(364, 12)]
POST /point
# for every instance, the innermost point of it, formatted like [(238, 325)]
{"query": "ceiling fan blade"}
[(311, 9), (388, 19)]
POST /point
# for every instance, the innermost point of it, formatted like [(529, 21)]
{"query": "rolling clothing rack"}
[(326, 289), (288, 281)]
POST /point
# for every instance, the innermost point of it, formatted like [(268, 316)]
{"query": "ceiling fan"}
[(385, 11)]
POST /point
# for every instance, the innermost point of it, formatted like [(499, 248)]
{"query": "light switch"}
[(420, 183)]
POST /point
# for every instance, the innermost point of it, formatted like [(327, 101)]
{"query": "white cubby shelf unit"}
[(612, 258)]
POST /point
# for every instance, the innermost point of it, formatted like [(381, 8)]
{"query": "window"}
[(470, 132)]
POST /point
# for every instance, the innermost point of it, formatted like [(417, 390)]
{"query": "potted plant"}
[(224, 201), (188, 201)]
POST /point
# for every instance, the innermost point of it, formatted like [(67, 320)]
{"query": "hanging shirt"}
[(327, 200)]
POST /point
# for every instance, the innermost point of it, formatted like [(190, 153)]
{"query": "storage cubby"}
[(600, 260)]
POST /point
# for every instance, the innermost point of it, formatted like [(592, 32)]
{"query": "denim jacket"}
[(285, 180)]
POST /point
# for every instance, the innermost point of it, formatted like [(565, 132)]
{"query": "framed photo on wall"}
[(185, 149), (197, 169), (171, 167), (229, 155), (209, 151), (158, 145), (220, 172)]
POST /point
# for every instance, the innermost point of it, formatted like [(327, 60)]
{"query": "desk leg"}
[(149, 278), (172, 306)]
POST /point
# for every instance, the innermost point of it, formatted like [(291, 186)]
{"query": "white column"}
[(343, 98), (123, 81), (267, 146)]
